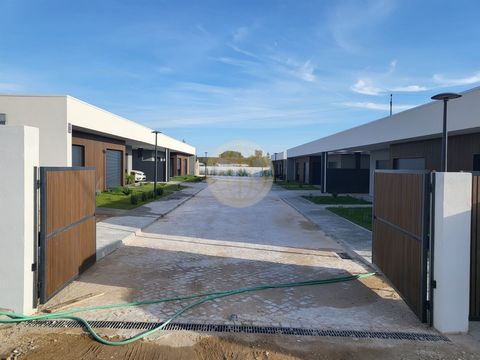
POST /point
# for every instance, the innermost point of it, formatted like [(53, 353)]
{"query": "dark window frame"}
[(82, 147)]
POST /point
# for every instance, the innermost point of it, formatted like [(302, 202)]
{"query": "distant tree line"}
[(258, 159)]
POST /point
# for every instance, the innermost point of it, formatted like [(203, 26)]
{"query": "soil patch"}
[(24, 343)]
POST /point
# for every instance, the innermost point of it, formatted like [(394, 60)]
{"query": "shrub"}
[(199, 178), (229, 172), (126, 190), (242, 172), (151, 194), (334, 195), (159, 191), (134, 199), (129, 178)]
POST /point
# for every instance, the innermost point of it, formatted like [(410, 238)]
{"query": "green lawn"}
[(359, 215), (188, 178), (336, 200), (291, 185), (117, 199)]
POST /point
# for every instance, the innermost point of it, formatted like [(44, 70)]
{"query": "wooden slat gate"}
[(401, 227), (475, 250), (67, 238)]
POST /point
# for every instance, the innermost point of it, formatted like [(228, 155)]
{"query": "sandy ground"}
[(21, 343)]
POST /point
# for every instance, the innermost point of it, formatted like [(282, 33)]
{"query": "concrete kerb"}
[(347, 247), (131, 232)]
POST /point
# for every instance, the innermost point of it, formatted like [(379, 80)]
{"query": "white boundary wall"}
[(453, 203), (18, 157)]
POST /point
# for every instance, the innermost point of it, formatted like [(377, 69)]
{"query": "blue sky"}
[(278, 73)]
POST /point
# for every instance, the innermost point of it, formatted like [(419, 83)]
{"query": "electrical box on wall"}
[(3, 119)]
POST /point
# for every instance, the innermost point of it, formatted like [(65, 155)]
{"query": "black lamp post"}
[(206, 161), (156, 168), (445, 97)]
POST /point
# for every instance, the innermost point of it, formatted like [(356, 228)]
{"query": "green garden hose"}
[(11, 317)]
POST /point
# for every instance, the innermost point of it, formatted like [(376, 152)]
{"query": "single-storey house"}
[(345, 162), (75, 133)]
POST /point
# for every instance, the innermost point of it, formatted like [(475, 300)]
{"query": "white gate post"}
[(19, 154), (451, 264)]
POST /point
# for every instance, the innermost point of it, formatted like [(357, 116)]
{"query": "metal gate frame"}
[(474, 308), (426, 240), (43, 237)]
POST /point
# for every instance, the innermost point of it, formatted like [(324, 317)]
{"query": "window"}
[(185, 163), (409, 164), (78, 155), (382, 164), (179, 166), (476, 162)]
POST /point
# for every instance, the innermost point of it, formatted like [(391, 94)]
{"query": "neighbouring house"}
[(75, 133), (279, 164), (411, 140)]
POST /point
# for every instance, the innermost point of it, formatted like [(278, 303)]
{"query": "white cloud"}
[(378, 106), (271, 66), (349, 19), (9, 86), (409, 88), (240, 33), (443, 81), (243, 52), (164, 69), (365, 87), (236, 62), (306, 71), (393, 65)]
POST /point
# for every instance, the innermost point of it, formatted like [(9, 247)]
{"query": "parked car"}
[(139, 175)]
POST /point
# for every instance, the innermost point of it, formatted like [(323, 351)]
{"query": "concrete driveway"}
[(205, 245)]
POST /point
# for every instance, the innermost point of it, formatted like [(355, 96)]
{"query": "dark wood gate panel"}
[(67, 226), (400, 233), (475, 251)]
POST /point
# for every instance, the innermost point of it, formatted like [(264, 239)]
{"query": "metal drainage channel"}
[(130, 325), (344, 255)]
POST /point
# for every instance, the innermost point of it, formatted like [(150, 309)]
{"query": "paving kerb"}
[(344, 243), (106, 246)]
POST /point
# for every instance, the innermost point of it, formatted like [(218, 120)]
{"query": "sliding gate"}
[(401, 229), (67, 240)]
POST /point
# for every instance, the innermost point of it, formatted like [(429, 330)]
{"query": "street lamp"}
[(445, 97), (156, 167), (206, 164)]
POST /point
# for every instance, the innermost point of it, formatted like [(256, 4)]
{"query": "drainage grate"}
[(344, 255), (243, 329)]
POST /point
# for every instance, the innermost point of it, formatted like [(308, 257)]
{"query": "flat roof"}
[(424, 121), (86, 116)]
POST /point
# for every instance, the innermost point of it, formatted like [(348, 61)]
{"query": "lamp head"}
[(446, 96)]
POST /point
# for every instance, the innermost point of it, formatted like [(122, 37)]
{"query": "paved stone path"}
[(204, 245), (355, 237), (122, 225)]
